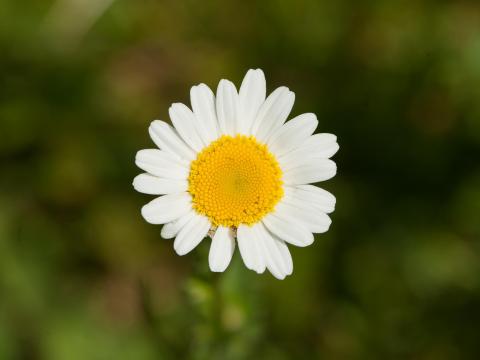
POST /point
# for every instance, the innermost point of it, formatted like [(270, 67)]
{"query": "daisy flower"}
[(232, 168)]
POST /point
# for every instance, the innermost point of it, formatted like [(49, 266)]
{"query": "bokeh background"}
[(82, 276)]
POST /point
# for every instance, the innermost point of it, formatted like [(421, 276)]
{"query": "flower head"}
[(234, 169)]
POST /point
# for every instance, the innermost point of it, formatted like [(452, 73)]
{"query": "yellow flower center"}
[(235, 180)]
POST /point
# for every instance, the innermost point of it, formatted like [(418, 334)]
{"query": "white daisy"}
[(233, 169)]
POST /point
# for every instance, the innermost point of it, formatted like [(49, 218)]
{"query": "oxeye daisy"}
[(232, 168)]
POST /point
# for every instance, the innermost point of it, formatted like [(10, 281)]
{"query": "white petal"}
[(273, 113), (275, 258), (203, 105), (292, 134), (260, 254), (319, 146), (245, 246), (308, 171), (166, 138), (251, 97), (322, 145), (287, 257), (171, 229), (313, 218), (316, 196), (186, 125), (227, 102), (167, 208), (288, 229), (153, 185), (250, 250), (191, 234), (162, 164), (221, 249)]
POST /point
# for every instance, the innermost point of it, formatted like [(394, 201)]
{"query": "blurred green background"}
[(82, 276)]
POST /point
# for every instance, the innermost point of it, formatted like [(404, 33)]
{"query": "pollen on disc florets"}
[(235, 180)]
